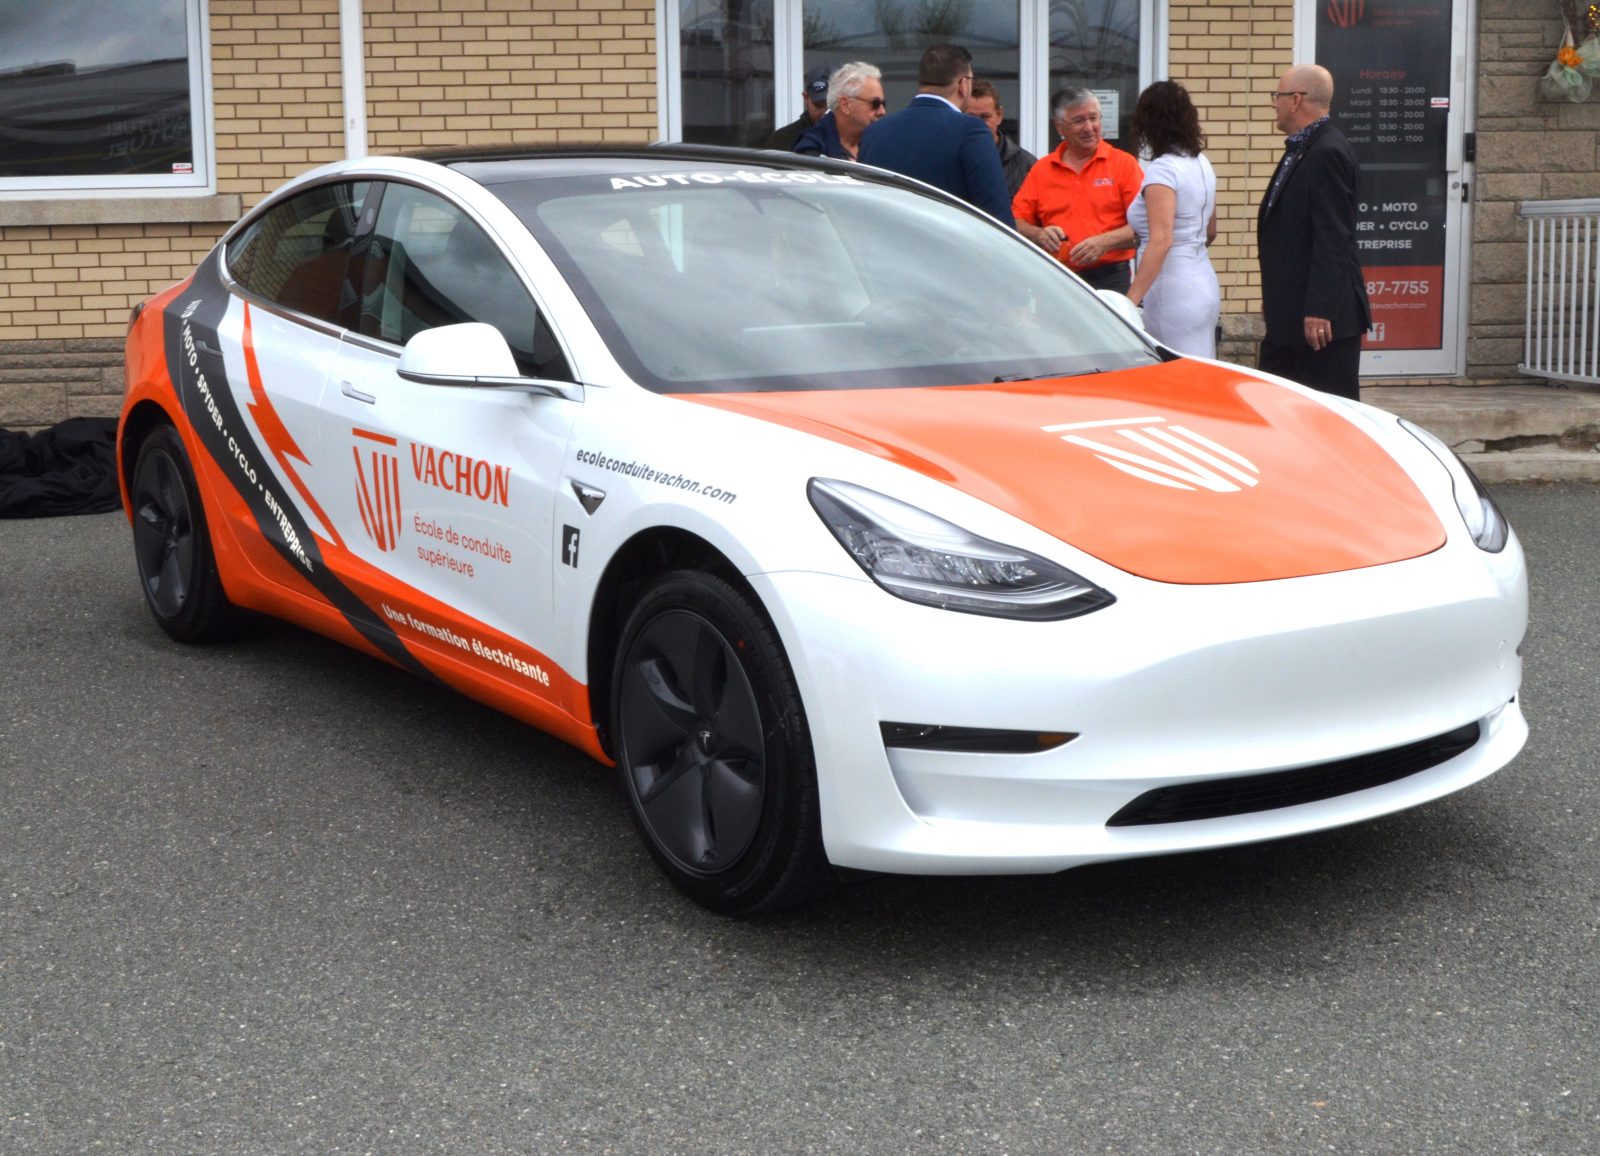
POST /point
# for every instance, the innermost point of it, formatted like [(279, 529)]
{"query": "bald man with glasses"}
[(1313, 291)]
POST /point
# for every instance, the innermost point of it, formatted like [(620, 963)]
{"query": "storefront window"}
[(1095, 44), (726, 63), (893, 34), (723, 56), (102, 94)]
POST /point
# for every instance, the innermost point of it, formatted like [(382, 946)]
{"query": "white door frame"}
[(353, 78)]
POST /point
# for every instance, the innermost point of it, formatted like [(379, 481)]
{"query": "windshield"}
[(734, 281)]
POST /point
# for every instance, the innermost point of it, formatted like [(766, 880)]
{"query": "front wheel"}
[(172, 545), (713, 748)]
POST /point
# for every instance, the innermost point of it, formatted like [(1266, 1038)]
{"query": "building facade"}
[(121, 165)]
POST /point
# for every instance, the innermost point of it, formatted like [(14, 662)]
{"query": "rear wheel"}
[(172, 545), (713, 748)]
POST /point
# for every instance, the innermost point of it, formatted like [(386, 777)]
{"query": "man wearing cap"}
[(814, 102)]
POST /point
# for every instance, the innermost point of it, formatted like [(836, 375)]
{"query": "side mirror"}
[(1123, 308), (472, 353)]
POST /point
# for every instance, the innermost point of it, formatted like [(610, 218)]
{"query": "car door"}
[(444, 496), (292, 294)]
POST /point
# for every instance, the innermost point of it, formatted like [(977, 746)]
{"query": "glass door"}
[(1401, 99)]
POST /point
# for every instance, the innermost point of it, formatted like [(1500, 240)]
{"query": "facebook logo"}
[(569, 545)]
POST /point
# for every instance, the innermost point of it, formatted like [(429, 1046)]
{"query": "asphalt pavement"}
[(277, 897)]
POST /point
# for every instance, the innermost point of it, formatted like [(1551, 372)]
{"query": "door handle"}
[(355, 394)]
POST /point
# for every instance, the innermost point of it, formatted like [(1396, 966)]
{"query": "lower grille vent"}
[(1219, 798)]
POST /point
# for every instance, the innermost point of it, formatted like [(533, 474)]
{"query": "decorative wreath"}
[(1572, 74)]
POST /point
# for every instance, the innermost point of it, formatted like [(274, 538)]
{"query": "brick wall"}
[(65, 295), (479, 72), (278, 95), (1229, 57)]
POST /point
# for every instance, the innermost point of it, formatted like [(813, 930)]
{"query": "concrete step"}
[(1536, 466), (1506, 433)]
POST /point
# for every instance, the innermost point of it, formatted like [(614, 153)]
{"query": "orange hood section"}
[(1182, 472)]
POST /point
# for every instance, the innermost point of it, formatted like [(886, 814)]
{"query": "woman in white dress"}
[(1175, 217)]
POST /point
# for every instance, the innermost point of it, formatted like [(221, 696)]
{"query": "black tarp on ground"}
[(69, 468)]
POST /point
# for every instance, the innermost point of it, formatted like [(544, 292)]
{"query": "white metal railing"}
[(1562, 337)]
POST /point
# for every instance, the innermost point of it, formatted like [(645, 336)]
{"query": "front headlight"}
[(1485, 522), (921, 558)]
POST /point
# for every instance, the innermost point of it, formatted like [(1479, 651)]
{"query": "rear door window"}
[(297, 254)]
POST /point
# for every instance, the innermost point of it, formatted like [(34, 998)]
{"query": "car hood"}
[(1183, 472)]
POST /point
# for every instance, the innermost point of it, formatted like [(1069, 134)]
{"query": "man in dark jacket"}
[(1313, 292), (814, 104), (1014, 159), (934, 140)]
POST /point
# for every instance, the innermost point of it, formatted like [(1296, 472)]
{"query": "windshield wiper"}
[(1008, 377)]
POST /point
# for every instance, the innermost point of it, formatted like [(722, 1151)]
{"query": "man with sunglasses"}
[(1313, 292), (855, 100), (934, 140)]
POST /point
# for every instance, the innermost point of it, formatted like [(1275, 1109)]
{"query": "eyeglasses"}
[(874, 104), (1277, 95)]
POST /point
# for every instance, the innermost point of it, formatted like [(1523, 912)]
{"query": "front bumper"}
[(1172, 685)]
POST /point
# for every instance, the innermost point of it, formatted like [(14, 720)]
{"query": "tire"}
[(713, 750), (172, 545)]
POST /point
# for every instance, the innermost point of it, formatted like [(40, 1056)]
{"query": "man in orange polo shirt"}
[(1074, 201)]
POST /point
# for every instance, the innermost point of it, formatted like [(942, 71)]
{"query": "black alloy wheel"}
[(172, 546), (713, 749)]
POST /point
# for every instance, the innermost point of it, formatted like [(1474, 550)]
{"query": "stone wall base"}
[(1241, 340), (45, 382), (1241, 337)]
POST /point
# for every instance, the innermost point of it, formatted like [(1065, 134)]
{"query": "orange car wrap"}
[(272, 557), (1179, 472)]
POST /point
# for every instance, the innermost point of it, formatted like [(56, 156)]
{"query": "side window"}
[(297, 253), (430, 264)]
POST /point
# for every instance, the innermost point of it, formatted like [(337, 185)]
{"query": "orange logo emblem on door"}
[(378, 489)]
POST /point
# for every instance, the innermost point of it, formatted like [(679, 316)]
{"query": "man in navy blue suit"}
[(934, 140)]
